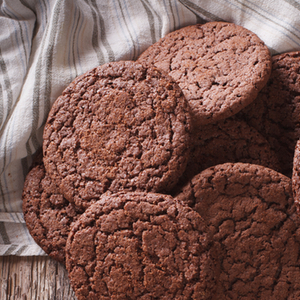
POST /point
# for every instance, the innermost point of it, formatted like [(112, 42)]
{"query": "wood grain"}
[(33, 278)]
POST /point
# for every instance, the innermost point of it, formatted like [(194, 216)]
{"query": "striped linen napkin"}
[(45, 44)]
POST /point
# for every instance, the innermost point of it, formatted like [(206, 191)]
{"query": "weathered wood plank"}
[(33, 278)]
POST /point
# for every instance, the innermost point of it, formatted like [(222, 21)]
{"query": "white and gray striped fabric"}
[(45, 44)]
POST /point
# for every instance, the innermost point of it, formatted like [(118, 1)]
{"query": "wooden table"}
[(33, 278)]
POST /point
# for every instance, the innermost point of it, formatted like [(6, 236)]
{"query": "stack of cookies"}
[(170, 177)]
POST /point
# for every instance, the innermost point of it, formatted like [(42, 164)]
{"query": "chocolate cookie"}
[(228, 141), (140, 246), (296, 174), (219, 66), (118, 126), (47, 214), (275, 113), (249, 210)]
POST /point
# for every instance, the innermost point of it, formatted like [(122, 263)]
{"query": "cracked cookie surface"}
[(276, 110), (296, 174), (48, 215), (230, 140), (140, 246), (118, 126), (250, 212), (219, 66)]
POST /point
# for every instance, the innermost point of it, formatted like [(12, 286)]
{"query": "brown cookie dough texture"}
[(118, 126), (230, 140), (249, 210), (140, 246), (219, 66), (296, 174), (48, 215), (275, 113)]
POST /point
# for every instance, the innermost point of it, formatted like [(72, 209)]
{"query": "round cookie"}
[(249, 210), (48, 215), (230, 140), (139, 245), (275, 113), (118, 126), (219, 66)]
